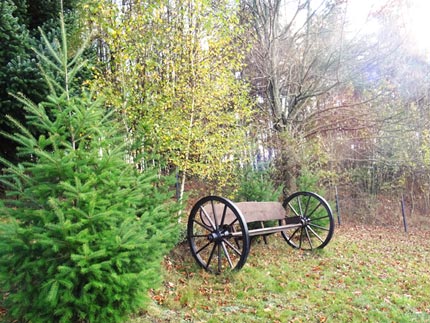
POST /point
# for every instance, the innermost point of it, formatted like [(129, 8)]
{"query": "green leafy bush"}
[(82, 231), (257, 185), (307, 180)]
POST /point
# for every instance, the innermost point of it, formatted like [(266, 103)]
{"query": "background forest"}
[(115, 115), (211, 90)]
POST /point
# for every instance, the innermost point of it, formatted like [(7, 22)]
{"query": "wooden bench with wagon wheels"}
[(219, 237)]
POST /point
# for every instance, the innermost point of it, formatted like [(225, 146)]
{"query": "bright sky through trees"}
[(419, 24), (414, 18)]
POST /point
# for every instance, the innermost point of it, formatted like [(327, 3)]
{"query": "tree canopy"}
[(208, 87)]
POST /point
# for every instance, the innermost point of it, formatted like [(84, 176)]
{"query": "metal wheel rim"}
[(210, 237), (317, 226)]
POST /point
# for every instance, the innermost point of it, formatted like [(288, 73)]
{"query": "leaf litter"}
[(364, 274)]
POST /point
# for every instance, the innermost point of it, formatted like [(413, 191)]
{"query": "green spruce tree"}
[(82, 231), (20, 21), (18, 72)]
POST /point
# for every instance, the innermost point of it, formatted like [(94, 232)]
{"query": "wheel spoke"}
[(236, 240), (299, 201), (320, 218), (208, 217), (219, 258), (301, 238), (203, 225), (319, 204), (233, 247), (214, 213), (309, 238), (234, 221), (199, 236), (293, 209), (203, 248), (210, 256), (294, 233), (319, 227), (223, 215), (315, 234), (307, 205), (226, 254)]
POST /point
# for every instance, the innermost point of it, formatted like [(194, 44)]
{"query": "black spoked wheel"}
[(218, 235), (315, 217)]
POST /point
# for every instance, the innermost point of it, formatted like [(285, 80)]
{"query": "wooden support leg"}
[(264, 236)]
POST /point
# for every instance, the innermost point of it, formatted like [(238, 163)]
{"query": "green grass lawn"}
[(363, 275)]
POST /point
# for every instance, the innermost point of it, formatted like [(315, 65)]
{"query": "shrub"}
[(257, 185), (307, 180), (82, 231)]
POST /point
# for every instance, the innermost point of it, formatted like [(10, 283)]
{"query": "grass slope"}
[(363, 275)]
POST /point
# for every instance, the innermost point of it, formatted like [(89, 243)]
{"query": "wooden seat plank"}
[(252, 211)]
